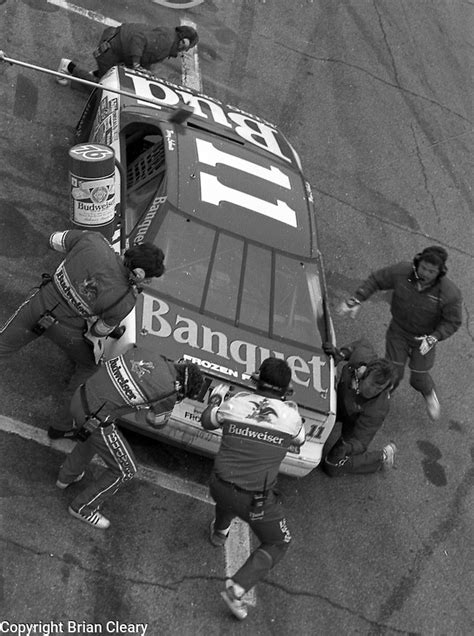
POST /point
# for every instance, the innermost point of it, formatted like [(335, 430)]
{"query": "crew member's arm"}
[(378, 280), (210, 419), (451, 316), (135, 49), (64, 241)]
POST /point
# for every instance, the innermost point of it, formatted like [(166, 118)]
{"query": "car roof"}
[(249, 179)]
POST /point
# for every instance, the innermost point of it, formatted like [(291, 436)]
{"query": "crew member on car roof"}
[(426, 308), (138, 46), (90, 293), (257, 430), (136, 379)]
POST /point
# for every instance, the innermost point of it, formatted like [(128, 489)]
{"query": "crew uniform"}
[(434, 310), (135, 45), (90, 284), (257, 432), (137, 379), (360, 417)]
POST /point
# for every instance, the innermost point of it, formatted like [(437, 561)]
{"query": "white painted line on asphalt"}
[(85, 13), (237, 547)]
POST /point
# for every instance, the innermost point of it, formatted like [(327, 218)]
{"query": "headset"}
[(440, 252)]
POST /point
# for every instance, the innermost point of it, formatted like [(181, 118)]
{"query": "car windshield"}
[(246, 284)]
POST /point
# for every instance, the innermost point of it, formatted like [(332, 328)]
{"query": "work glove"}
[(331, 350), (218, 394), (349, 306), (426, 343)]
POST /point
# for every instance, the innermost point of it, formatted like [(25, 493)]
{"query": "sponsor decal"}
[(247, 431), (68, 292), (144, 225), (249, 127), (141, 367), (161, 321), (171, 139), (124, 384)]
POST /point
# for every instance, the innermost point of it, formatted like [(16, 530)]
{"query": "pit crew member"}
[(363, 394), (136, 379), (426, 308), (91, 291), (138, 46), (257, 430)]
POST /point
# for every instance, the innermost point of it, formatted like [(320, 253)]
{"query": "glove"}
[(218, 394), (426, 343), (350, 306), (330, 350)]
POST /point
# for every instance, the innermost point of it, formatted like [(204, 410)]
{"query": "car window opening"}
[(145, 167)]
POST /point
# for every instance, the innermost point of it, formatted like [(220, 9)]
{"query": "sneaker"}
[(93, 518), (432, 406), (63, 484), (389, 453), (217, 537), (56, 433), (63, 68), (234, 602)]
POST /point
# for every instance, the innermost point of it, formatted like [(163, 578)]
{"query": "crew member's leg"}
[(111, 446), (397, 349), (421, 380), (274, 535)]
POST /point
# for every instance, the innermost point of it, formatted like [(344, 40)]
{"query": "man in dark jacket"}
[(426, 308), (136, 45), (363, 394), (137, 379)]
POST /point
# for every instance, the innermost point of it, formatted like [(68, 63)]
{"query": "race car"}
[(222, 192)]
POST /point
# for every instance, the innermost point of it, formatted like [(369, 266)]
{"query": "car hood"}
[(227, 352)]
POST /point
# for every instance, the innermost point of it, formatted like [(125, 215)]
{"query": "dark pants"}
[(341, 461), (271, 530), (104, 60), (368, 462), (67, 333), (111, 446), (401, 346)]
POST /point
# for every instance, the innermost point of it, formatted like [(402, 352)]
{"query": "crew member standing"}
[(363, 394), (138, 46), (136, 379), (91, 292), (257, 430), (426, 308)]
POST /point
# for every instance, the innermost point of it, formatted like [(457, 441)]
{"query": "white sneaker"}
[(93, 518), (389, 452), (432, 406), (62, 68), (63, 484), (234, 602)]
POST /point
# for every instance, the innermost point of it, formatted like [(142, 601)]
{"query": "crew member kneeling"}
[(257, 430)]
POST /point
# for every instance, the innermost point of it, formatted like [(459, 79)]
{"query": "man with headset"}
[(363, 394), (137, 379), (426, 308), (257, 430), (92, 290)]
